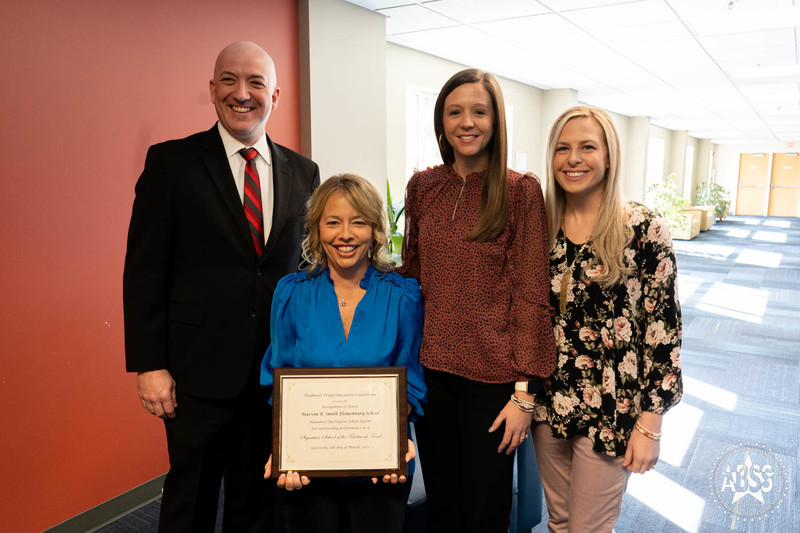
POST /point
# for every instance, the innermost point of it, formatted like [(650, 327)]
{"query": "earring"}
[(439, 140)]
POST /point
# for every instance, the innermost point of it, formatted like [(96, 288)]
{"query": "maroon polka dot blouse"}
[(487, 304)]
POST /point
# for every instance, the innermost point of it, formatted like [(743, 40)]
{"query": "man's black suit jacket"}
[(196, 295)]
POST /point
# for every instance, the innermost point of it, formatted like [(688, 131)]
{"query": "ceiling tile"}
[(624, 15), (645, 33), (735, 21), (382, 4), (471, 11), (572, 5), (414, 18), (531, 31)]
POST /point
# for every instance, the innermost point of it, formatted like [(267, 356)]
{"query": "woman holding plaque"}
[(618, 329), (346, 309), (476, 239)]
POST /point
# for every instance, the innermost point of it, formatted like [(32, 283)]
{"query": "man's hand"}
[(157, 393)]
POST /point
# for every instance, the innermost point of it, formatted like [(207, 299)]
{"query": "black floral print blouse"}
[(618, 347)]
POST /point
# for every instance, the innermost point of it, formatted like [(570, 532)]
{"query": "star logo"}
[(748, 482), (751, 478)]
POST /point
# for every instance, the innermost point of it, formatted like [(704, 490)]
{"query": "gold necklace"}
[(567, 277)]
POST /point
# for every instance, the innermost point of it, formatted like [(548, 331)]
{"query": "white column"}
[(343, 76), (634, 158), (702, 164), (677, 158)]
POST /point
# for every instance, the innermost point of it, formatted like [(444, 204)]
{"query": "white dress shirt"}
[(263, 166)]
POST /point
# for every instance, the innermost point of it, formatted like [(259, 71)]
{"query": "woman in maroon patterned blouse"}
[(617, 327), (476, 240)]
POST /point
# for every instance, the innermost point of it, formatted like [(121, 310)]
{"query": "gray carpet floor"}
[(730, 451)]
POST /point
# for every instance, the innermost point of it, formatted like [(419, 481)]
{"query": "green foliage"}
[(716, 195), (663, 198), (394, 211)]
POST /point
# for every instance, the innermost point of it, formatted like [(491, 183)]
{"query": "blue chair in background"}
[(526, 510)]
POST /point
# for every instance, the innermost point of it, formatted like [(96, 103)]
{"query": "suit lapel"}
[(213, 154), (282, 191)]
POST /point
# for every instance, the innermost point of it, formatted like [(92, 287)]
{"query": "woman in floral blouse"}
[(617, 329)]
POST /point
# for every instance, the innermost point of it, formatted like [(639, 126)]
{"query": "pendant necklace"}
[(344, 298), (566, 279)]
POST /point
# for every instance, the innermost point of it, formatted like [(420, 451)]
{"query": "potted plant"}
[(669, 204), (715, 195), (395, 212)]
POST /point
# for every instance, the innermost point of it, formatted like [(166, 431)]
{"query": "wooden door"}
[(784, 191), (753, 188)]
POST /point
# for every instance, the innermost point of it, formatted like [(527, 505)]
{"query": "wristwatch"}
[(528, 387)]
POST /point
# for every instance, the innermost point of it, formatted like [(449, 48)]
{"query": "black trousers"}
[(329, 505), (213, 441), (467, 483)]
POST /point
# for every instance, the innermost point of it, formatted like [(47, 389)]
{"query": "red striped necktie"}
[(252, 198)]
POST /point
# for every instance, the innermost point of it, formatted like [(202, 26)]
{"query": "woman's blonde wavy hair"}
[(611, 232), (366, 201)]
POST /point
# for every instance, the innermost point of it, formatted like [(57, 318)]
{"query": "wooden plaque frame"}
[(334, 421)]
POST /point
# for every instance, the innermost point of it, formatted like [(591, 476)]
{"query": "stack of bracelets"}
[(646, 432), (524, 405)]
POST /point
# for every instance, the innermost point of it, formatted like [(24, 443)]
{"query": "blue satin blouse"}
[(306, 328)]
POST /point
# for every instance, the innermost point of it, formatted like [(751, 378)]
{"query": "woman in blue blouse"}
[(346, 309)]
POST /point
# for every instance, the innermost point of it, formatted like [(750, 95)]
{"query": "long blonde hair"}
[(366, 201), (494, 194), (611, 232)]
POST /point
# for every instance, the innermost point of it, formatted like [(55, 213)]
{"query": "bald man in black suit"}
[(197, 296)]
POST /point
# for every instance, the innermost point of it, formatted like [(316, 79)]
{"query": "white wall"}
[(343, 69), (404, 67), (726, 167), (528, 135), (666, 135)]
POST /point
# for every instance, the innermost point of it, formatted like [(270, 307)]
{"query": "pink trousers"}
[(583, 488)]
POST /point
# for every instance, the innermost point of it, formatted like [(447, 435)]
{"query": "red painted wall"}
[(86, 87)]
